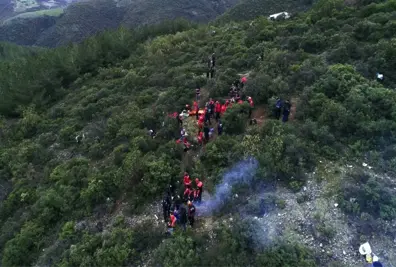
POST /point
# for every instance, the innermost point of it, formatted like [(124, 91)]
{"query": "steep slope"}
[(312, 190)]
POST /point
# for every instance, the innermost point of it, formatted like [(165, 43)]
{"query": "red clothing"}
[(251, 103), (186, 143), (200, 137), (172, 221), (223, 108), (187, 192), (200, 185), (187, 180), (218, 107), (240, 101), (243, 80)]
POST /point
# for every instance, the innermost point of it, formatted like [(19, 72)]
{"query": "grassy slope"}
[(115, 103)]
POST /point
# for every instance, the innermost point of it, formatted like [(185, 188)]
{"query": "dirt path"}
[(259, 114), (294, 102)]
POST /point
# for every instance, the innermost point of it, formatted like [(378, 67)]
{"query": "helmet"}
[(196, 180), (189, 203), (249, 98)]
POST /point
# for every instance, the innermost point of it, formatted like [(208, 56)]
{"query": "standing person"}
[(186, 193), (171, 223), (186, 180), (243, 81), (278, 108), (286, 111), (251, 103), (213, 60), (183, 216), (197, 112), (199, 190), (200, 138), (166, 205), (191, 213), (183, 134), (206, 132), (219, 128), (223, 109), (217, 110), (179, 120), (211, 107), (207, 115), (201, 121), (198, 93), (210, 67)]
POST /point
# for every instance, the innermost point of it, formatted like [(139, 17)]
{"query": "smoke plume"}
[(242, 172)]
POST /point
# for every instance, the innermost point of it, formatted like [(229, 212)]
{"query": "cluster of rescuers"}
[(180, 210), (178, 213)]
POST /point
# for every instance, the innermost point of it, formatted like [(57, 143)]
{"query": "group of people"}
[(282, 107), (182, 210), (213, 110)]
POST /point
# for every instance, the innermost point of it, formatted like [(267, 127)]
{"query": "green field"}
[(47, 12)]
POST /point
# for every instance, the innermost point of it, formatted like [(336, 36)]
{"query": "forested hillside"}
[(324, 183)]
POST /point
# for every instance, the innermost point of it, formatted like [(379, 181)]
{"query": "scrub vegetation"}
[(60, 198)]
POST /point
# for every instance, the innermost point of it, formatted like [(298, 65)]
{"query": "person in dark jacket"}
[(183, 216), (207, 116), (213, 60), (219, 128), (211, 107), (198, 93), (278, 108), (286, 111), (191, 213), (206, 132)]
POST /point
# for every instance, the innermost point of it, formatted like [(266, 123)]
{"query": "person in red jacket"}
[(171, 223), (187, 193), (196, 109), (186, 180), (199, 190), (223, 108), (251, 103), (217, 110), (200, 138)]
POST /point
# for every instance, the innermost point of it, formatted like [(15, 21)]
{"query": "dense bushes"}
[(113, 88), (370, 196)]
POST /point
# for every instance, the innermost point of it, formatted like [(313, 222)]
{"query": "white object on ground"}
[(365, 249)]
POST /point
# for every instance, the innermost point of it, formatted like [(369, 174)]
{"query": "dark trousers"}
[(166, 214), (197, 115), (217, 116), (192, 220), (277, 113)]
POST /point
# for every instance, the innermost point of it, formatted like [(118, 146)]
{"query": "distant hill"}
[(83, 19)]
